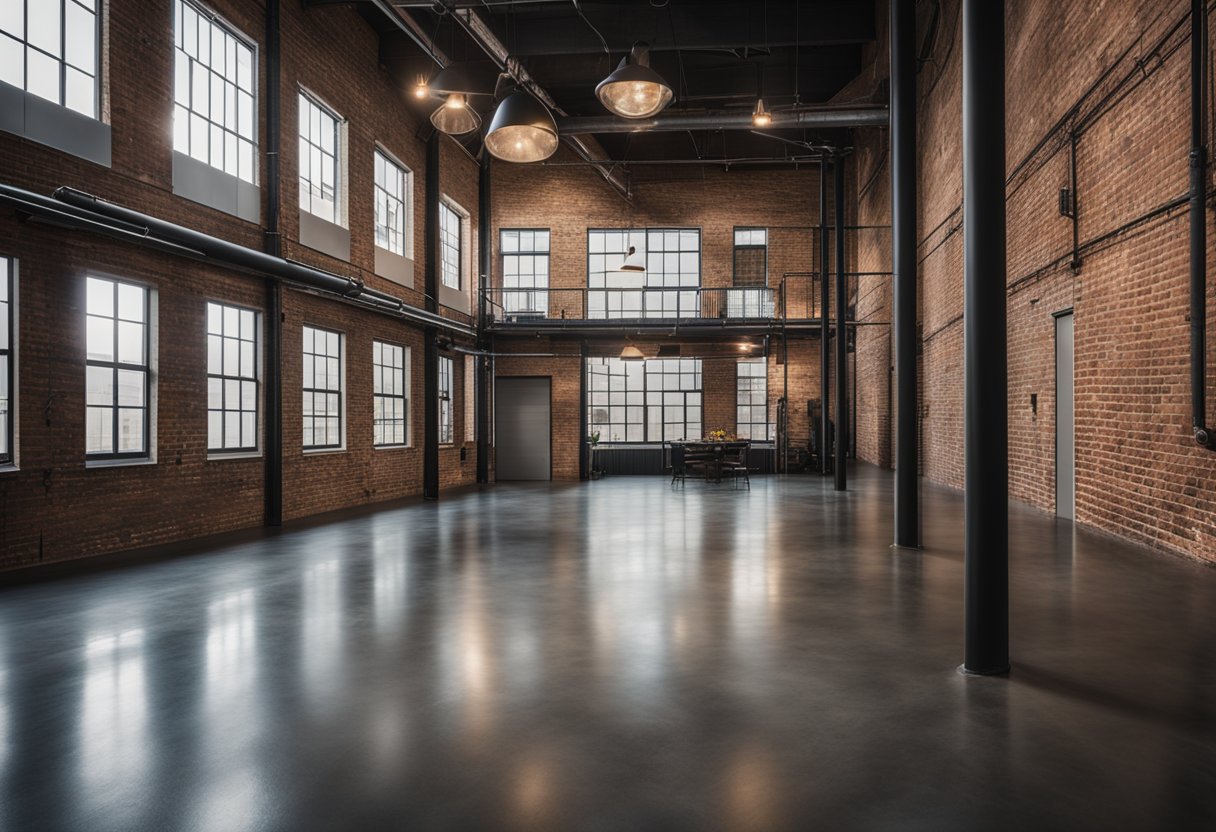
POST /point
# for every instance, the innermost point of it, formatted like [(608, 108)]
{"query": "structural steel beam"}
[(430, 369), (842, 336)]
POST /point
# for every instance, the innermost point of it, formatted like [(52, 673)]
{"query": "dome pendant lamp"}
[(634, 90), (522, 130), (454, 116)]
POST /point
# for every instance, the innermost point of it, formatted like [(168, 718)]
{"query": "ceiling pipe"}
[(817, 118), (587, 148), (410, 28)]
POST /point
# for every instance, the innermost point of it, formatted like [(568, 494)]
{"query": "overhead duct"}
[(675, 122)]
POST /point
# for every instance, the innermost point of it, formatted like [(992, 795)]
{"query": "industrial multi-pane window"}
[(49, 48), (751, 403), (668, 288), (445, 400), (390, 400), (751, 257), (6, 361), (450, 242), (322, 376), (525, 270), (319, 148), (391, 188), (117, 373), (214, 76), (644, 401), (232, 378)]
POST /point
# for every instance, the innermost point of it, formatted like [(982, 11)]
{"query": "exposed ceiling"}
[(718, 56)]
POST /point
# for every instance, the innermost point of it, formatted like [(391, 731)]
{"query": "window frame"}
[(241, 38), (8, 357), (644, 394), (407, 202), (243, 450), (446, 389), (339, 157), (377, 368), (509, 292), (114, 455), (736, 246), (340, 390), (62, 61), (647, 286), (462, 216), (739, 405)]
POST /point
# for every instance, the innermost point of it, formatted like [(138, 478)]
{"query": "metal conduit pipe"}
[(162, 234), (1199, 229), (676, 122)]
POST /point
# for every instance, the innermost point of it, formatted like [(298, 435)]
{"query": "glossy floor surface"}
[(611, 655)]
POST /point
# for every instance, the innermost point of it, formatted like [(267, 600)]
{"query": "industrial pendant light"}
[(634, 90), (454, 116), (632, 353), (760, 116), (522, 130), (633, 261)]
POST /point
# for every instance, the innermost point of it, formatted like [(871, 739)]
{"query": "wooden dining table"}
[(710, 453)]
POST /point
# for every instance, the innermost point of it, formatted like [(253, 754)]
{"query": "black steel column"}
[(986, 440), (842, 335), (584, 447), (825, 437), (430, 369), (273, 318), (903, 242), (1199, 225), (481, 387)]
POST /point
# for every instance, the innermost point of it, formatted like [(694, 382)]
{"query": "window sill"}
[(201, 183), (323, 451), (8, 468), (395, 267), (117, 463), (219, 456), (392, 447), (324, 236), (25, 114)]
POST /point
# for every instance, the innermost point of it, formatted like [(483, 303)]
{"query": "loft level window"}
[(390, 394), (322, 376), (214, 82), (118, 371), (644, 401), (445, 400), (451, 245), (751, 257), (391, 191), (50, 48), (751, 402), (232, 378), (7, 368), (525, 270), (670, 286), (319, 148)]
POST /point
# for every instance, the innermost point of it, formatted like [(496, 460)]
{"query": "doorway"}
[(1066, 475), (521, 428)]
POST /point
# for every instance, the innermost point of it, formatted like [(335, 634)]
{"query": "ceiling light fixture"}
[(633, 261), (421, 90), (454, 116), (634, 90), (760, 116), (522, 130), (632, 353)]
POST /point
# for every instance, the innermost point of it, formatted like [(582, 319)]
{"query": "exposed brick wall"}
[(1118, 78), (53, 508)]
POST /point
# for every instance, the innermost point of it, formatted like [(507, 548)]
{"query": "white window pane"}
[(215, 438), (99, 386), (215, 394), (181, 130), (12, 17), (99, 430), (44, 25), (12, 61), (42, 77), (130, 343), (80, 37), (99, 297), (232, 429), (130, 430), (100, 338), (130, 302), (130, 388), (247, 322)]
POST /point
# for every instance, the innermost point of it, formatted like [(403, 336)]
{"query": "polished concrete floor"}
[(611, 655)]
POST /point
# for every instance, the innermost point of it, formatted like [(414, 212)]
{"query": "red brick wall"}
[(1119, 78), (53, 508)]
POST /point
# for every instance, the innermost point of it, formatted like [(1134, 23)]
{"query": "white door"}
[(1066, 475)]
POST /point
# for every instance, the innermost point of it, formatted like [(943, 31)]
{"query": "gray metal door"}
[(1066, 475), (521, 428)]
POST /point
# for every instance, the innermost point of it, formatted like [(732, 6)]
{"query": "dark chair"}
[(734, 464), (678, 467)]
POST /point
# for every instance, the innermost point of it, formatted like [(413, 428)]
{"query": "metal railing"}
[(790, 300)]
